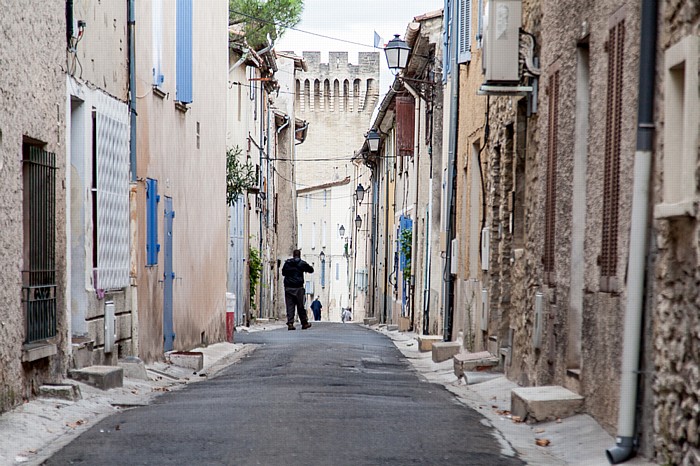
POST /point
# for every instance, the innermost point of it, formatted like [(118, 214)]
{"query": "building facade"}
[(179, 202), (34, 324)]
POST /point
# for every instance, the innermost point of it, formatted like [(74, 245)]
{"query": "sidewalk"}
[(577, 440), (34, 431)]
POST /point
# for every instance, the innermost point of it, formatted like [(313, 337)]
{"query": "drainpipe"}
[(624, 447), (286, 123), (447, 300), (132, 88)]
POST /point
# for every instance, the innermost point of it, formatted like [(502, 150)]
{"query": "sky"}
[(355, 21)]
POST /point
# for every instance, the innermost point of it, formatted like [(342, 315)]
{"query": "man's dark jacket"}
[(293, 271)]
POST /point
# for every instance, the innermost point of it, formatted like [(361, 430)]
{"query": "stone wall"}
[(32, 96), (676, 314), (337, 99)]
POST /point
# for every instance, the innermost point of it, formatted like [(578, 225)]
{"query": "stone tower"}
[(337, 99)]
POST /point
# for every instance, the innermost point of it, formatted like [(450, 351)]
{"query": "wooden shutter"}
[(611, 176), (465, 27), (405, 124), (551, 186)]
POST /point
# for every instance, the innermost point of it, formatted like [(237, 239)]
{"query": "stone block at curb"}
[(425, 342), (464, 362), (370, 321), (190, 359), (66, 391), (392, 327), (103, 377), (538, 404), (444, 350), (134, 368)]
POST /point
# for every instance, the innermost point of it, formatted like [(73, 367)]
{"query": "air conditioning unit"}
[(454, 254), (501, 41)]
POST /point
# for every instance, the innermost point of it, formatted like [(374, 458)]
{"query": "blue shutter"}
[(405, 223), (184, 51), (446, 22), (152, 199)]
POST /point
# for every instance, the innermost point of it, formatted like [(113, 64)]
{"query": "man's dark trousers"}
[(294, 298)]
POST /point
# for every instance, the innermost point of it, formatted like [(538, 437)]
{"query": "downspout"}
[(447, 301), (286, 123), (132, 88), (624, 447), (416, 144)]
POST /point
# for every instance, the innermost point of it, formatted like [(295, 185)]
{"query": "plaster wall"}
[(32, 96), (186, 152)]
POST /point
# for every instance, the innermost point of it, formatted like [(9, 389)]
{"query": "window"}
[(681, 101), (301, 228), (157, 39), (550, 205), (184, 51), (313, 235), (152, 200), (324, 229), (323, 274), (337, 271), (325, 197), (611, 176), (465, 27), (112, 192), (307, 202), (39, 249)]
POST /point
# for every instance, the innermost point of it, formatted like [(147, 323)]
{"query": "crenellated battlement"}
[(338, 86)]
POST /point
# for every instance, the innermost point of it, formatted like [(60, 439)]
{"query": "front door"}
[(168, 277)]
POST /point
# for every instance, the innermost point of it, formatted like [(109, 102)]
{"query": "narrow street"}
[(334, 394)]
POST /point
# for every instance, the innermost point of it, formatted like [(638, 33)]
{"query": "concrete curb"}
[(578, 440), (36, 430)]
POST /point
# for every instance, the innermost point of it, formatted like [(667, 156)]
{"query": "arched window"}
[(317, 95), (346, 95), (336, 94), (307, 95), (297, 93), (356, 95), (327, 95)]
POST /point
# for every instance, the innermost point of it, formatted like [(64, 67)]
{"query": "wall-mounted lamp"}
[(322, 256), (358, 221), (341, 231), (397, 52), (373, 139), (360, 192)]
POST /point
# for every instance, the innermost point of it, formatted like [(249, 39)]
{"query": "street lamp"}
[(373, 138), (358, 221), (322, 256), (360, 191), (397, 52), (341, 231)]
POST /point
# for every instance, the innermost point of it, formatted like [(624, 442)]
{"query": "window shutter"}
[(323, 274), (611, 176), (157, 41), (551, 186), (152, 199), (465, 26), (405, 125), (446, 22), (184, 51)]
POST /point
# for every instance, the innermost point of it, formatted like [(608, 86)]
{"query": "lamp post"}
[(358, 221)]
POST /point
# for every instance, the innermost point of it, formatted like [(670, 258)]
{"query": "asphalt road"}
[(332, 395)]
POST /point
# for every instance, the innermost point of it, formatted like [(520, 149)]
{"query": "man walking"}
[(293, 272), (316, 307)]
